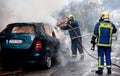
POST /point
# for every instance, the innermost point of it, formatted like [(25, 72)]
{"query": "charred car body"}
[(28, 43)]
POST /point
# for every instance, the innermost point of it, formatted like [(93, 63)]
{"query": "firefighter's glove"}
[(66, 22), (93, 40), (61, 27)]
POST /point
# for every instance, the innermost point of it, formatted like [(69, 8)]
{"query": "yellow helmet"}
[(105, 15)]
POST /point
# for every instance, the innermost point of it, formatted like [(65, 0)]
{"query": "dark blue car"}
[(23, 43)]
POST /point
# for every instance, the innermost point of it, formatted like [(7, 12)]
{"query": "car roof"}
[(26, 24)]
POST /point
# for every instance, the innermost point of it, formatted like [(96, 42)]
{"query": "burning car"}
[(28, 43)]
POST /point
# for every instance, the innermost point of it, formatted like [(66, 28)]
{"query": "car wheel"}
[(47, 61)]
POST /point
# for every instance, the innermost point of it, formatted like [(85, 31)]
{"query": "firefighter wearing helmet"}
[(70, 17), (103, 33), (104, 15), (74, 31)]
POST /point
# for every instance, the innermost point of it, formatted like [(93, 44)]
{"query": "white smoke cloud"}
[(30, 10), (115, 16)]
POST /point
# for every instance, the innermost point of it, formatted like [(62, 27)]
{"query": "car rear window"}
[(22, 29)]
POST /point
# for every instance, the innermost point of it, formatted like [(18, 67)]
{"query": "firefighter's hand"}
[(92, 41), (66, 22)]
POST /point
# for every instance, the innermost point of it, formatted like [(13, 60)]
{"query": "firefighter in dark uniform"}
[(103, 32), (74, 31)]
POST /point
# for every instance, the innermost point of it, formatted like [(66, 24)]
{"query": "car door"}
[(51, 40)]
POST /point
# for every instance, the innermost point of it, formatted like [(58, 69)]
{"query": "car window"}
[(40, 30), (6, 30), (22, 29), (48, 30)]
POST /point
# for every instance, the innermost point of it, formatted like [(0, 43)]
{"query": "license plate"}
[(15, 41)]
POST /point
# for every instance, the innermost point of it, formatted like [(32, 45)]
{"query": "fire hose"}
[(86, 50), (82, 44)]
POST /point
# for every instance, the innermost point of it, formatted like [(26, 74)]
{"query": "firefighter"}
[(74, 31), (103, 33)]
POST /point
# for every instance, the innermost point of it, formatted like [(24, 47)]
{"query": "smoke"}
[(111, 5), (115, 16), (29, 11)]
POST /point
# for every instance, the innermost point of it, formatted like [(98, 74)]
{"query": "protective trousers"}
[(101, 52), (76, 44)]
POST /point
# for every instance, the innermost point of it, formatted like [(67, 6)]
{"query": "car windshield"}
[(22, 29)]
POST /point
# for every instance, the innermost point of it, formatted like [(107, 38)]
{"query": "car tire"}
[(47, 61)]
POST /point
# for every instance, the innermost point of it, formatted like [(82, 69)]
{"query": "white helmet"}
[(70, 17)]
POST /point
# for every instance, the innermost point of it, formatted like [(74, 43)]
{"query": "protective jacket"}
[(75, 28), (103, 31)]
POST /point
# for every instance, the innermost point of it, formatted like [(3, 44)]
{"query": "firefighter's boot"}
[(74, 56), (99, 72), (109, 72), (82, 56)]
